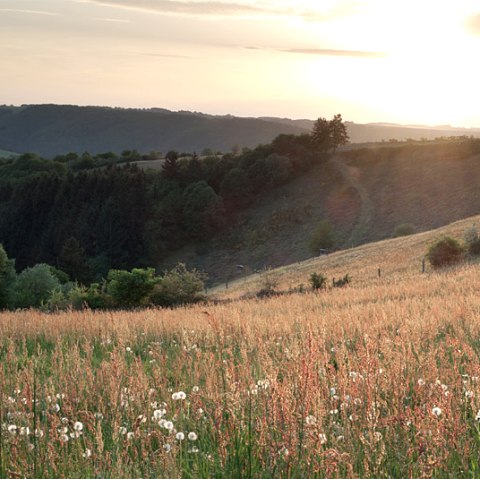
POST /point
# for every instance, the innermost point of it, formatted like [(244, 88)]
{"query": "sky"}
[(401, 61)]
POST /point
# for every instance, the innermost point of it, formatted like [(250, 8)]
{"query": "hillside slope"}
[(396, 258), (363, 193)]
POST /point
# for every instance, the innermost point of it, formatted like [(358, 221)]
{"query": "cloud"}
[(473, 24), (194, 8), (335, 53), (112, 20), (31, 12)]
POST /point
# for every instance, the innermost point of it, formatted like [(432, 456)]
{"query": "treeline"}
[(87, 215), (46, 287)]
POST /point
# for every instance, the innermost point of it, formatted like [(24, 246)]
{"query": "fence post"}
[(423, 265)]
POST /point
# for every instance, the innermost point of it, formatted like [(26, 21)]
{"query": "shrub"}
[(323, 238), (340, 283), (318, 281), (34, 286), (444, 252), (472, 240), (404, 229), (130, 289), (178, 286)]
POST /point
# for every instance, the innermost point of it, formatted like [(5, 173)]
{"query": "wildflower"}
[(12, 429), (192, 436), (200, 411), (469, 394), (193, 450), (436, 411), (168, 425), (178, 396), (322, 438), (158, 414), (75, 434), (130, 435), (38, 433), (78, 426), (64, 437), (24, 431), (195, 389), (167, 447), (128, 349), (477, 417), (87, 453), (63, 430), (142, 419), (421, 382), (334, 411), (353, 375), (378, 436), (56, 407), (64, 420), (180, 436), (311, 420), (122, 430)]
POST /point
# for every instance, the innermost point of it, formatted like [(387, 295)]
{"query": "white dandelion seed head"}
[(87, 453), (158, 414), (12, 429), (180, 436), (436, 411), (130, 435), (167, 447), (78, 426), (477, 417), (122, 430), (421, 382), (195, 389), (469, 394), (39, 433), (64, 437), (322, 438), (192, 436), (168, 425)]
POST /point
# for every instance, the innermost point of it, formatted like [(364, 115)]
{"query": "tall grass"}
[(380, 380)]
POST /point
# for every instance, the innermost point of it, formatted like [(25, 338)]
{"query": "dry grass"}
[(378, 379)]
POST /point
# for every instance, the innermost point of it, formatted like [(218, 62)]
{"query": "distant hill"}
[(50, 130)]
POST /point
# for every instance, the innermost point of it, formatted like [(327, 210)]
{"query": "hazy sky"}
[(406, 61)]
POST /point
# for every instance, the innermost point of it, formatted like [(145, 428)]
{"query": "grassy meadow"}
[(377, 379)]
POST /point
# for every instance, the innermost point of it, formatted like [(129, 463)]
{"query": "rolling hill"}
[(50, 130), (364, 193)]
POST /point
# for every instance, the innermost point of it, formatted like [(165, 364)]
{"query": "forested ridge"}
[(89, 214)]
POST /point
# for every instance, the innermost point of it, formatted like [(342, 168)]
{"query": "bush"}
[(34, 286), (340, 283), (323, 238), (445, 252), (318, 281), (404, 229), (472, 240), (178, 286), (130, 289)]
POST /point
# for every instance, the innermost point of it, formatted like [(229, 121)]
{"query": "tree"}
[(7, 277), (338, 132), (321, 135), (170, 166), (445, 252), (129, 289), (329, 134), (34, 286), (73, 261)]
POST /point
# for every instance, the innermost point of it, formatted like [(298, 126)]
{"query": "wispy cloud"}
[(30, 12), (235, 8), (112, 20), (177, 7), (335, 53), (473, 24)]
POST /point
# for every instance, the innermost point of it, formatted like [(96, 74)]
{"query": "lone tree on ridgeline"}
[(331, 134)]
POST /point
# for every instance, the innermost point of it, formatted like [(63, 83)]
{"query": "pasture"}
[(378, 379)]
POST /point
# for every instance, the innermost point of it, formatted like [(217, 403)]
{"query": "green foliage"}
[(405, 229), (317, 281), (72, 259), (445, 252), (472, 240), (130, 289), (331, 134), (7, 277), (323, 238), (178, 286), (34, 286)]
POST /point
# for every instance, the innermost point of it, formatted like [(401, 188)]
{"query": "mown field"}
[(377, 379)]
